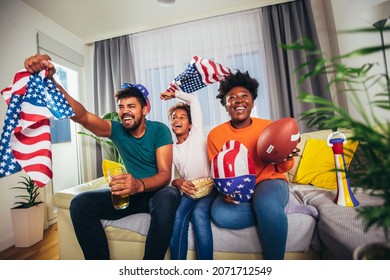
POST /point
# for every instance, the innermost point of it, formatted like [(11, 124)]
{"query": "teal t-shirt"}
[(139, 154)]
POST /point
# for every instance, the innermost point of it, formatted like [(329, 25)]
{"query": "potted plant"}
[(367, 91), (106, 144), (28, 216)]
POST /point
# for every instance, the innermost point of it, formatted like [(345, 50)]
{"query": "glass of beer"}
[(118, 201)]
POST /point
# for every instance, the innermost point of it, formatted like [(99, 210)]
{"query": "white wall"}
[(18, 26), (347, 14)]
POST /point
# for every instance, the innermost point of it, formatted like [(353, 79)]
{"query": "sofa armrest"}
[(62, 198)]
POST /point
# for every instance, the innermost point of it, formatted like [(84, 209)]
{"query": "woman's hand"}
[(294, 153), (230, 199)]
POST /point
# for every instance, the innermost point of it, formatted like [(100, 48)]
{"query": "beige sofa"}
[(335, 235)]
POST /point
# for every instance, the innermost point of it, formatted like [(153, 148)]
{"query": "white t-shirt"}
[(190, 157)]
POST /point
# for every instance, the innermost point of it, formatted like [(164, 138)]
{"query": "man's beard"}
[(134, 126)]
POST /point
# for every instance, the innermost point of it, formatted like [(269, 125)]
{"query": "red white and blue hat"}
[(234, 172), (141, 89)]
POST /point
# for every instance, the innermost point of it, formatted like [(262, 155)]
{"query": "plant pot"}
[(28, 225), (372, 251)]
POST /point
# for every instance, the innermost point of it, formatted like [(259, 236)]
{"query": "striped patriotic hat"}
[(141, 89), (233, 171)]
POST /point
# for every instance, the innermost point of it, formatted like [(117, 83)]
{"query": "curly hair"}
[(238, 79), (180, 105)]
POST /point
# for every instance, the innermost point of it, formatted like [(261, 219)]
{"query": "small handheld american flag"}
[(199, 73), (25, 141)]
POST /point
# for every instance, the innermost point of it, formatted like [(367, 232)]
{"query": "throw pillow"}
[(317, 164)]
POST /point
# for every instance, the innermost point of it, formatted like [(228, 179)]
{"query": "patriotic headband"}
[(141, 89)]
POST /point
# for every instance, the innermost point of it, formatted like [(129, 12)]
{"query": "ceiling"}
[(94, 20)]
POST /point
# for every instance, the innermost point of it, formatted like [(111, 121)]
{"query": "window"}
[(232, 40), (65, 147)]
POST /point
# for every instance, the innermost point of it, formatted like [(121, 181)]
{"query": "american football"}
[(278, 140)]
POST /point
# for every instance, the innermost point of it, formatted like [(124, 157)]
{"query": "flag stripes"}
[(26, 140), (199, 73)]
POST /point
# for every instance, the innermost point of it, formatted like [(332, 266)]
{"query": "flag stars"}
[(247, 179), (240, 188), (39, 97)]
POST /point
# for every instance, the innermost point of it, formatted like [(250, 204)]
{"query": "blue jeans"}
[(266, 211), (88, 208), (198, 212)]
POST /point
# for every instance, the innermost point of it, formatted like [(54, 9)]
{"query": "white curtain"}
[(233, 40)]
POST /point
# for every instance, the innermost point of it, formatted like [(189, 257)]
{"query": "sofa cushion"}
[(317, 164), (301, 230), (302, 234), (320, 134), (62, 198), (340, 228)]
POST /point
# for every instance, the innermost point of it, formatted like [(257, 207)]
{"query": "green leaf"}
[(365, 51), (111, 116), (360, 30), (107, 145), (32, 190), (367, 91)]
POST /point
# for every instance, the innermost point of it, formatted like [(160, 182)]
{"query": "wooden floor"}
[(46, 249)]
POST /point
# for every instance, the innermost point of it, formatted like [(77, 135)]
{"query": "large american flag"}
[(198, 74), (25, 141)]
